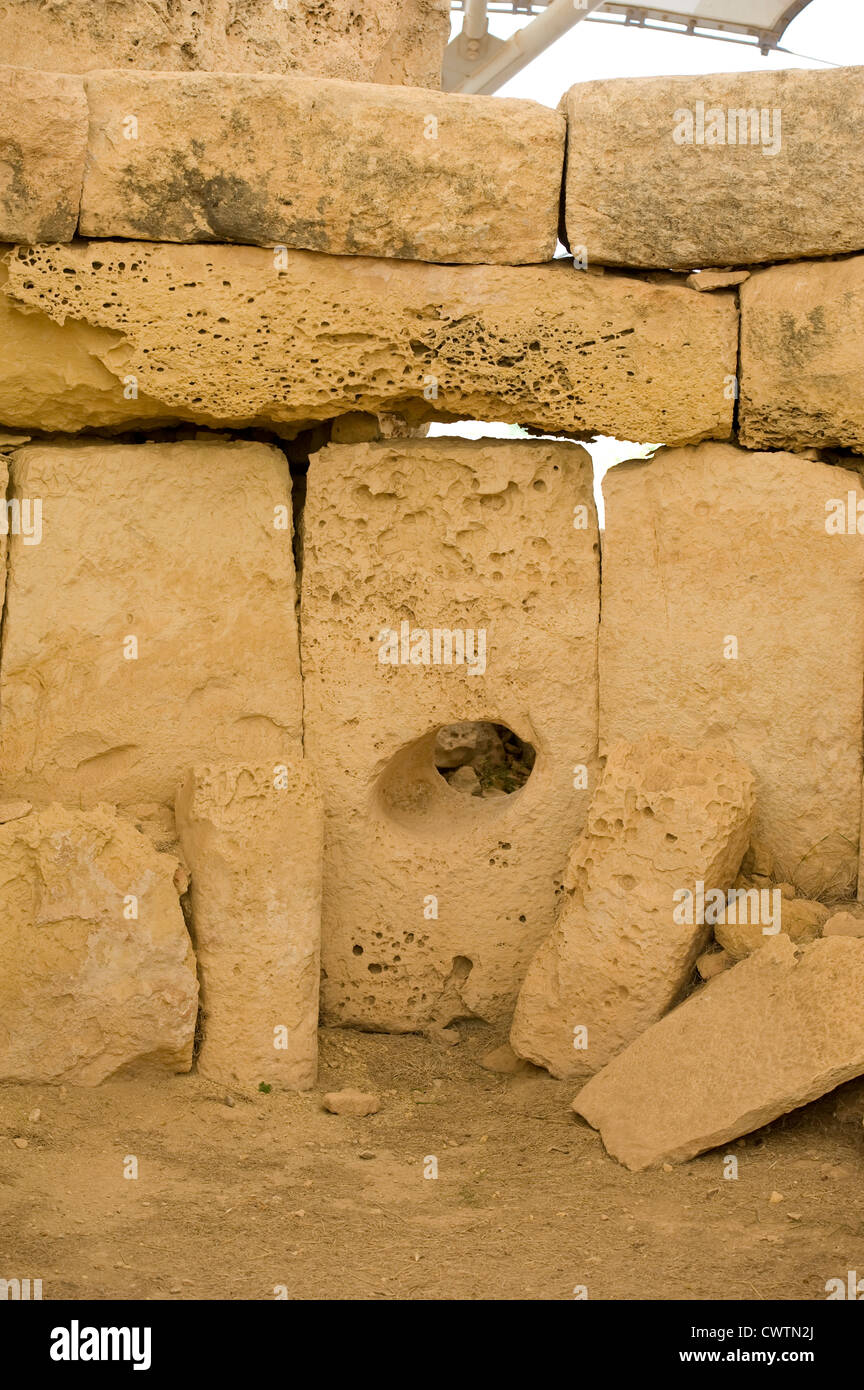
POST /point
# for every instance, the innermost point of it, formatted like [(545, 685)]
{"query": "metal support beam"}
[(478, 62)]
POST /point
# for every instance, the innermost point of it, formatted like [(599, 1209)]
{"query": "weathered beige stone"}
[(802, 340), (712, 963), (640, 193), (663, 819), (175, 547), (723, 598), (717, 279), (43, 140), (352, 1102), (252, 837), (399, 41), (800, 920), (220, 329), (780, 1029), (353, 169), (97, 971), (434, 900), (843, 924)]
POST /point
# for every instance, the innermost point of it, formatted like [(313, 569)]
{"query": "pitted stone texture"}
[(711, 544), (173, 545), (97, 970), (637, 197), (348, 168), (43, 139), (252, 837), (400, 41), (802, 341), (220, 329), (663, 818), (434, 901), (780, 1029)]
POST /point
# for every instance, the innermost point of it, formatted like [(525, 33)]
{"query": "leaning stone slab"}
[(243, 336), (435, 898), (97, 971), (149, 618), (43, 140), (780, 1029), (723, 593), (663, 819), (350, 168), (802, 342), (716, 170), (252, 838)]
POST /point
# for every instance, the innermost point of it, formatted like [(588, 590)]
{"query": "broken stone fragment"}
[(712, 963), (782, 1028), (844, 924), (252, 836), (718, 169), (717, 279), (764, 917), (43, 140), (97, 971), (352, 1102), (220, 333), (664, 819)]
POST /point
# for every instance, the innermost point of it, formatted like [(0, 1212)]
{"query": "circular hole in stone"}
[(482, 759)]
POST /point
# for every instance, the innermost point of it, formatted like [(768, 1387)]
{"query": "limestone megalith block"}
[(151, 622), (663, 819), (43, 140), (719, 169), (446, 581), (252, 838), (802, 340), (243, 335), (97, 971), (398, 41), (733, 613), (350, 168), (780, 1029)]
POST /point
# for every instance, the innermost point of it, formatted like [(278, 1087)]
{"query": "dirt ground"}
[(232, 1201)]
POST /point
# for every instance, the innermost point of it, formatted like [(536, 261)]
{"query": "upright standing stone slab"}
[(43, 140), (252, 837), (734, 614), (153, 623), (435, 899), (719, 169), (351, 168)]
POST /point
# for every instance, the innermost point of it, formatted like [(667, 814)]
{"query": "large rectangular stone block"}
[(351, 168), (151, 624), (43, 140), (733, 613), (802, 344), (446, 582), (720, 169), (238, 335)]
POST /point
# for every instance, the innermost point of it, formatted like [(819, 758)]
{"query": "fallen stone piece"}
[(843, 924), (399, 41), (712, 963), (97, 971), (227, 333), (252, 837), (718, 169), (350, 168), (802, 340), (717, 279), (663, 819), (151, 622), (504, 1061), (780, 1029), (799, 918), (352, 1102), (723, 593), (43, 140)]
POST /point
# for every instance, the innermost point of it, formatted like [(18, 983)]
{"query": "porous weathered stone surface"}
[(97, 971), (640, 193), (723, 595), (802, 341), (348, 168), (252, 838), (399, 41), (221, 329), (663, 819), (175, 548), (800, 919), (43, 140), (352, 1102), (434, 900), (775, 1032)]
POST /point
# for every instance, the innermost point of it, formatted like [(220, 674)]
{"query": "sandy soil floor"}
[(232, 1201)]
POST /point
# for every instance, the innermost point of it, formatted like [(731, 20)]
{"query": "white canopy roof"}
[(765, 19)]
